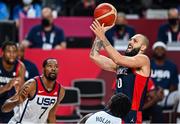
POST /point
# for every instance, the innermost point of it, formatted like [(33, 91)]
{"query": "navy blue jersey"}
[(5, 77), (164, 75), (135, 87), (31, 70)]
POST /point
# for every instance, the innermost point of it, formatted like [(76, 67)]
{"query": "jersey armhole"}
[(59, 89), (18, 67), (36, 90)]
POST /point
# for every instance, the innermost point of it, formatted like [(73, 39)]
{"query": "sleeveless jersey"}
[(36, 109), (5, 77), (103, 117), (135, 87)]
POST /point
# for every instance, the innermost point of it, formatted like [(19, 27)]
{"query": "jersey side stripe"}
[(24, 111)]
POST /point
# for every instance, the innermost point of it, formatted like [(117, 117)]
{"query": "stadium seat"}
[(92, 93), (71, 99)]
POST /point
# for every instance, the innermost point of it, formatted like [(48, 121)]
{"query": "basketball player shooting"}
[(132, 69), (39, 97)]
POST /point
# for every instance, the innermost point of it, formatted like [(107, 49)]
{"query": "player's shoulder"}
[(31, 82), (144, 57)]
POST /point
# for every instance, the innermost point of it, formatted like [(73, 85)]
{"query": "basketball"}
[(105, 13)]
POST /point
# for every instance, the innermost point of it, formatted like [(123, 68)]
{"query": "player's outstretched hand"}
[(98, 30)]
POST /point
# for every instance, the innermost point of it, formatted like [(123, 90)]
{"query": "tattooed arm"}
[(102, 61)]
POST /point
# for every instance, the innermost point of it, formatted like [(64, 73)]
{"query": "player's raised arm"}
[(102, 61), (20, 76), (25, 92), (52, 113), (132, 62)]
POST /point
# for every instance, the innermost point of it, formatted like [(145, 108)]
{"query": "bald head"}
[(173, 13), (144, 39)]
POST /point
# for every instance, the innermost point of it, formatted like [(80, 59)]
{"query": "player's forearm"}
[(3, 89), (95, 48), (9, 105), (112, 52), (52, 119)]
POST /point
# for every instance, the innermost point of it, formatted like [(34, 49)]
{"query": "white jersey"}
[(103, 118), (36, 110)]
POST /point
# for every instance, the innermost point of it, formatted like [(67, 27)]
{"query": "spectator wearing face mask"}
[(163, 71), (170, 32), (28, 9), (121, 31), (45, 35)]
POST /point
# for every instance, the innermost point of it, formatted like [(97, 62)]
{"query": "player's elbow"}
[(92, 57)]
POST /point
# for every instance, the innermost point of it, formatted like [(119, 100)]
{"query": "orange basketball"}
[(105, 13)]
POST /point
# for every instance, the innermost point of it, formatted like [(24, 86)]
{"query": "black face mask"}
[(120, 27), (173, 21), (45, 22), (133, 52)]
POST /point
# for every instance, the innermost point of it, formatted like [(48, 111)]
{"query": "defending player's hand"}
[(12, 83)]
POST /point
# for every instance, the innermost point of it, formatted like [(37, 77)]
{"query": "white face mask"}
[(27, 2)]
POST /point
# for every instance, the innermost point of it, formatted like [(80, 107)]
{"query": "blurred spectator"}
[(83, 8), (152, 111), (4, 13), (170, 32), (56, 5), (27, 9), (121, 31), (164, 72), (31, 69), (45, 35)]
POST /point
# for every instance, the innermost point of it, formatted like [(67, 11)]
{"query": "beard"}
[(51, 77), (9, 62), (133, 52)]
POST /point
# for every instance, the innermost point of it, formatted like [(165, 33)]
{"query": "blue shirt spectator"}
[(121, 31), (164, 75), (4, 13), (164, 72), (170, 32), (28, 9), (31, 69), (40, 38), (45, 35)]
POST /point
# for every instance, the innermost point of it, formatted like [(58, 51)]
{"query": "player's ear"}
[(143, 47)]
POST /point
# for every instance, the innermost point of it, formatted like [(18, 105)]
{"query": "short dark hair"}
[(45, 61), (120, 105), (8, 43)]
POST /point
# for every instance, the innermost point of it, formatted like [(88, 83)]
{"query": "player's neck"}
[(7, 67), (48, 84)]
